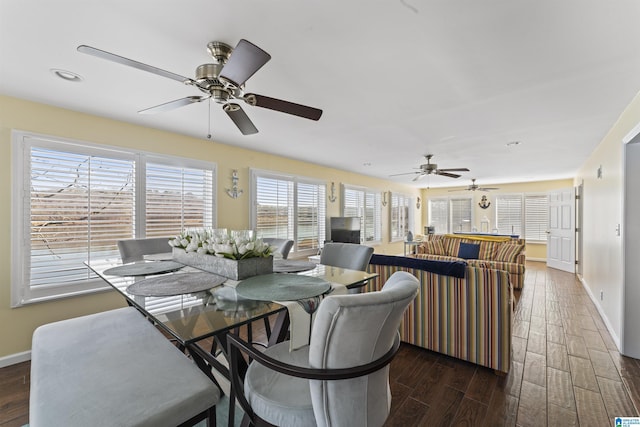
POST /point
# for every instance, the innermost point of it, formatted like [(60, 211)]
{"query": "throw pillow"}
[(468, 251), (434, 247), (508, 252)]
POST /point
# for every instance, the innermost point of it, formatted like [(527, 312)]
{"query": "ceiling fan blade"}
[(172, 105), (243, 63), (131, 63), (454, 170), (487, 188), (450, 175), (240, 118), (283, 106), (406, 173), (419, 177), (461, 189)]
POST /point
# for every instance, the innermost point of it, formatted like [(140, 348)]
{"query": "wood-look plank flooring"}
[(565, 371)]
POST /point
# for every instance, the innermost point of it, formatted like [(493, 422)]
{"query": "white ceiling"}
[(396, 79)]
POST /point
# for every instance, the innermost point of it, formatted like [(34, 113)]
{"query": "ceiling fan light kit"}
[(221, 81)]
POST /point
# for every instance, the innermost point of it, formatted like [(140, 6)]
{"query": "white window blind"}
[(439, 215), (73, 201), (460, 209), (364, 203), (176, 198), (275, 209), (400, 212), (311, 216), (536, 217), (289, 208), (80, 205), (509, 214)]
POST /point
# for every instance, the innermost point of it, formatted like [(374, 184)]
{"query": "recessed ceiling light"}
[(66, 75), (513, 143)]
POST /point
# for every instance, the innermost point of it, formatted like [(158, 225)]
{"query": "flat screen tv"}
[(345, 229)]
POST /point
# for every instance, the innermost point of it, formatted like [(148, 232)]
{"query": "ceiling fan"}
[(474, 187), (432, 168), (221, 81)]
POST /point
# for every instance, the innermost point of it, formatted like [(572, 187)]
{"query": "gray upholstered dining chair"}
[(282, 245), (135, 249), (342, 377), (346, 255)]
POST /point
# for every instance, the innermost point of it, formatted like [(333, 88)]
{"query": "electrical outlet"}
[(601, 295)]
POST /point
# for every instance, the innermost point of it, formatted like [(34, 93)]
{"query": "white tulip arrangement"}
[(239, 244)]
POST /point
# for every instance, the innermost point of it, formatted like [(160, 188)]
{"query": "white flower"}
[(202, 250)]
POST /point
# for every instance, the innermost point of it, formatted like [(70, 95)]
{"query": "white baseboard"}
[(605, 319), (12, 359), (536, 259)]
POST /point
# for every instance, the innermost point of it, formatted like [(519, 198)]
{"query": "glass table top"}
[(194, 316)]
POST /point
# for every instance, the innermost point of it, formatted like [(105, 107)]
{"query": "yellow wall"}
[(534, 251), (602, 212), (17, 325)]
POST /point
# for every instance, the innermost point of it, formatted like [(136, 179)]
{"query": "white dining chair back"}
[(283, 246), (346, 255), (135, 249)]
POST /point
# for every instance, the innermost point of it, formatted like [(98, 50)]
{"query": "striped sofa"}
[(500, 253), (461, 311)]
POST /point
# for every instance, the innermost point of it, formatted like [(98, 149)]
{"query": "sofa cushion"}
[(509, 267), (434, 248), (508, 252), (468, 250), (451, 246), (488, 249)]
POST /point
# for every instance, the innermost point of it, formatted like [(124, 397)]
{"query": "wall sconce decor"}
[(384, 198), (418, 203), (484, 203), (332, 196), (234, 192)]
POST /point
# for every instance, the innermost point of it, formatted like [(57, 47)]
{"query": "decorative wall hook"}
[(418, 201), (332, 197), (484, 203), (384, 198), (234, 192)]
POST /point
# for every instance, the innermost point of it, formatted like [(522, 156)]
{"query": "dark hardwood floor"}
[(565, 371)]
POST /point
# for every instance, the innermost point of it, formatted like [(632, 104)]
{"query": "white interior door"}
[(561, 234)]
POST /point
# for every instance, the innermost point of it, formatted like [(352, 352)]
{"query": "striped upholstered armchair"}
[(461, 311)]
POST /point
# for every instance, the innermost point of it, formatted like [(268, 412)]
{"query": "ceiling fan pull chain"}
[(209, 117)]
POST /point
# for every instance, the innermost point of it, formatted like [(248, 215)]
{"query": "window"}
[(509, 214), (523, 214), (289, 207), (401, 216), (450, 215), (460, 214), (364, 203), (73, 201), (536, 217), (439, 215)]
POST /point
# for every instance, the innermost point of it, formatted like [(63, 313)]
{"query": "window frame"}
[(377, 216), (405, 223), (449, 211), (295, 180), (523, 197), (22, 293)]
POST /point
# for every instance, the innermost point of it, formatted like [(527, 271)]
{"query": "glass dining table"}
[(195, 307)]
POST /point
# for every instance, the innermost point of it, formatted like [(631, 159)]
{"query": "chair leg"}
[(267, 327)]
